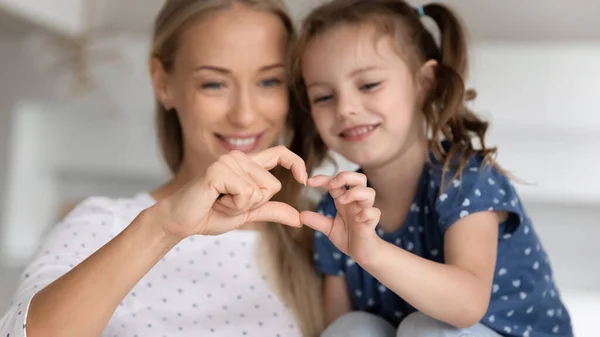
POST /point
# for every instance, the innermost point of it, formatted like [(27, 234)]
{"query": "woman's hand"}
[(235, 190), (352, 230)]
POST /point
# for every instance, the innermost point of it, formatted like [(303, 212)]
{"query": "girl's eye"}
[(320, 99), (370, 86)]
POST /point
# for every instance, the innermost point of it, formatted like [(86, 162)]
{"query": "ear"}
[(160, 83), (427, 75)]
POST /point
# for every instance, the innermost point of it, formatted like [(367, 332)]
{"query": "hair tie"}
[(421, 11)]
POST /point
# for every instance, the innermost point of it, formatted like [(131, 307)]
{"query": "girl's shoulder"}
[(465, 170), (479, 185)]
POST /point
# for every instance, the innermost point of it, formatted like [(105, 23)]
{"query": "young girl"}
[(445, 247)]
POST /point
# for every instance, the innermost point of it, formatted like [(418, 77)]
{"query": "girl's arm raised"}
[(457, 292)]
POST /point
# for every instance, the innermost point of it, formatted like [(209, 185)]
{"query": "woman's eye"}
[(270, 83), (212, 85)]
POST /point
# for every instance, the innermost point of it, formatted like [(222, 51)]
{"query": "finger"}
[(226, 207), (241, 202), (319, 180), (344, 178), (337, 192), (234, 160), (323, 181), (317, 221), (238, 203), (273, 211), (347, 178), (281, 155), (363, 196), (235, 190), (369, 216), (266, 182)]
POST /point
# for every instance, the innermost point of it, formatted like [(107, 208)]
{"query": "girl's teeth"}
[(359, 131)]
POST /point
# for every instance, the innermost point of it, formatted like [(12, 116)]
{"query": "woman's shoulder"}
[(84, 229), (105, 210), (117, 205)]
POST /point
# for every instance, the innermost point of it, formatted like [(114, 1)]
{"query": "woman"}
[(136, 267)]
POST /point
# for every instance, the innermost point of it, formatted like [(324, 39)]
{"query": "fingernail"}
[(305, 179)]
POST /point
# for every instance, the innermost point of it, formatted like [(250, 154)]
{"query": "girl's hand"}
[(352, 230), (235, 191)]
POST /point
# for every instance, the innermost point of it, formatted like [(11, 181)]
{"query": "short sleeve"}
[(480, 187), (87, 228), (328, 259)]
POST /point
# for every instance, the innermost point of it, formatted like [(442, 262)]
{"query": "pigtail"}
[(453, 41), (453, 121)]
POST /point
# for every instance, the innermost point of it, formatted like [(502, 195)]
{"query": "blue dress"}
[(524, 299)]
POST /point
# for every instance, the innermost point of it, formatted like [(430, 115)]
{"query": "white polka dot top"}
[(205, 286)]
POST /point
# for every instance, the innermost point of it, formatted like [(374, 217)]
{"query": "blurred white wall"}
[(63, 17), (7, 52), (541, 98), (18, 81)]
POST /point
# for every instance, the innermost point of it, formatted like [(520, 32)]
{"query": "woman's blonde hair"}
[(289, 250)]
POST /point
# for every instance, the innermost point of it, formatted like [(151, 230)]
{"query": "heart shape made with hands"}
[(242, 187)]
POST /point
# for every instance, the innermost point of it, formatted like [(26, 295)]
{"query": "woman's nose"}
[(242, 112)]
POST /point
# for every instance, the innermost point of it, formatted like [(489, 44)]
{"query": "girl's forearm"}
[(444, 292)]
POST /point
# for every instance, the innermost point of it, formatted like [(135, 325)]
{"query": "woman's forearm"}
[(81, 302)]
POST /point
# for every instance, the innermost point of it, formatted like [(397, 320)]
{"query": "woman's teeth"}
[(241, 141)]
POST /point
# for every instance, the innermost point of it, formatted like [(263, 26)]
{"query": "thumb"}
[(317, 221), (274, 211)]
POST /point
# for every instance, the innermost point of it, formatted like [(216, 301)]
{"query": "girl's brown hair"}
[(446, 114), (289, 251)]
